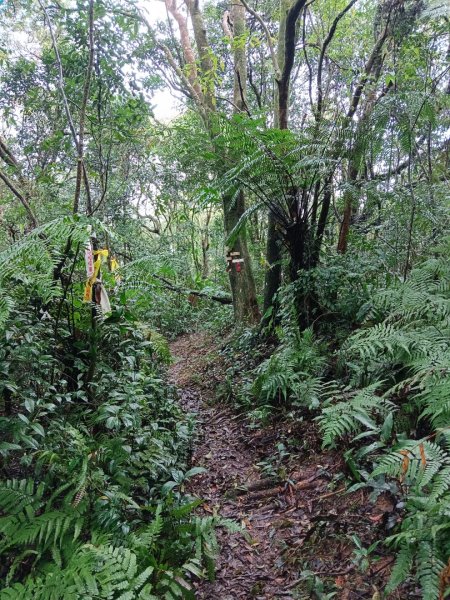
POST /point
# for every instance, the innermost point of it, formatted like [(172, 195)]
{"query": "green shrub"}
[(402, 360), (96, 434)]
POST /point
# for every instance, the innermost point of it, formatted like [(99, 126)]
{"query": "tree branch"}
[(174, 288), (191, 90), (186, 45), (273, 54), (60, 75), (367, 70), (323, 50), (305, 54), (7, 156), (31, 216), (81, 169)]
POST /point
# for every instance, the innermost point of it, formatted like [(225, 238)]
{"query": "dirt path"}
[(246, 568), (289, 527)]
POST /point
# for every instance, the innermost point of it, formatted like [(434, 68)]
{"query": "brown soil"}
[(298, 519)]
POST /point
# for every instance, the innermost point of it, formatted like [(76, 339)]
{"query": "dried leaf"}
[(405, 464), (444, 581), (423, 458)]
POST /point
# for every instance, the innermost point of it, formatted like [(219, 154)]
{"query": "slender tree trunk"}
[(240, 273), (273, 258), (273, 248), (348, 210), (205, 245), (205, 261)]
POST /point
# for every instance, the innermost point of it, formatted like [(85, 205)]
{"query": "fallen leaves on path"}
[(289, 525)]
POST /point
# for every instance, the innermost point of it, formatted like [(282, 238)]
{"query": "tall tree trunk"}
[(201, 85), (240, 273), (273, 248)]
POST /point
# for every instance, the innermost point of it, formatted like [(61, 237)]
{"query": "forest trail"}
[(247, 568), (285, 525)]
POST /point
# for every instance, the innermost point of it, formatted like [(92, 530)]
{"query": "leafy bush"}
[(402, 357), (291, 377), (341, 288), (96, 434)]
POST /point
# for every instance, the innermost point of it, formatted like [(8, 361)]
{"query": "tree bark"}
[(205, 54), (273, 249), (348, 210), (240, 274)]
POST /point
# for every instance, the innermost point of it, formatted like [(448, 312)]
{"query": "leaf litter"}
[(297, 532)]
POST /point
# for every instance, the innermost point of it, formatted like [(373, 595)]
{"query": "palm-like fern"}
[(291, 376)]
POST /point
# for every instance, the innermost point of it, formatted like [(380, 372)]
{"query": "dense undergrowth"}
[(94, 447), (378, 387)]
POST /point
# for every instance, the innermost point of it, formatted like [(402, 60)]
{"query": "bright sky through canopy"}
[(165, 104)]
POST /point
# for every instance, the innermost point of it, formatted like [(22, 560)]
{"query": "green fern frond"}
[(353, 411), (18, 495)]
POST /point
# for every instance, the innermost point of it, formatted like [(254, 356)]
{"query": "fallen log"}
[(261, 484), (304, 484), (175, 288)]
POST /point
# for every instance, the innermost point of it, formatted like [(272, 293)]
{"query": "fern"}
[(402, 567), (408, 346), (94, 572), (6, 305), (150, 534), (19, 495), (354, 411), (417, 464), (138, 569), (159, 345), (27, 527), (291, 374), (423, 545)]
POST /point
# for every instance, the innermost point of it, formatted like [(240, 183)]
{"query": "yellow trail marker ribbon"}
[(114, 266), (87, 295)]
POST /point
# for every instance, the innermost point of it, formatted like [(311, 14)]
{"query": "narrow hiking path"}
[(286, 524), (247, 568)]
